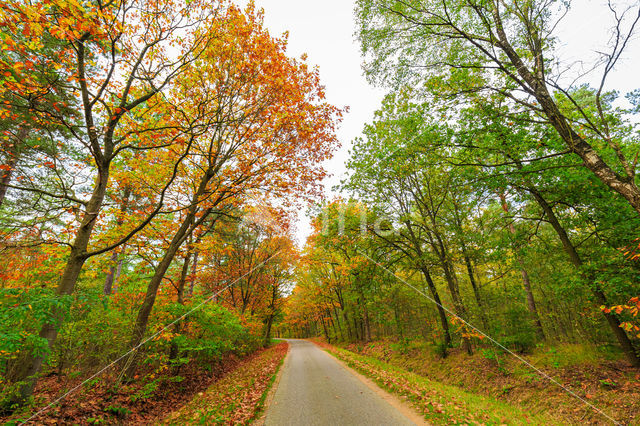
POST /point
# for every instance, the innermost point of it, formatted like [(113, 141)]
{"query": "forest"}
[(154, 155), (503, 197)]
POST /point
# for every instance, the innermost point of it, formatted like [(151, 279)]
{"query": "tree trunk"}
[(476, 290), (396, 316), (436, 298), (31, 365), (115, 265), (366, 323), (177, 327), (144, 312), (109, 280), (623, 185), (267, 334), (324, 329), (531, 303), (13, 154), (614, 323), (467, 262), (194, 269), (461, 311), (337, 321)]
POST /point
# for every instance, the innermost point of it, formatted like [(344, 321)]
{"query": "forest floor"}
[(442, 388), (237, 398), (161, 400)]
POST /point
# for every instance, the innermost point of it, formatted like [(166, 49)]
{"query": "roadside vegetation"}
[(488, 208), (237, 398), (609, 385), (439, 403), (151, 156)]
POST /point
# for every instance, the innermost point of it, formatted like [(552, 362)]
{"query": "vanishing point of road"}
[(315, 389)]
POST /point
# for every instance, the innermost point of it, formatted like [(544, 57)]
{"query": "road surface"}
[(315, 389)]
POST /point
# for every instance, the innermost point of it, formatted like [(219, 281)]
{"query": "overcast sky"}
[(324, 29)]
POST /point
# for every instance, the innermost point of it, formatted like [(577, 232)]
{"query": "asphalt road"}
[(315, 389)]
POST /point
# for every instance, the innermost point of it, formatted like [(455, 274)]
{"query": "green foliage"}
[(21, 313), (519, 335), (118, 411), (212, 332)]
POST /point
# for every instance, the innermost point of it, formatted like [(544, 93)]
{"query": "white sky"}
[(324, 29)]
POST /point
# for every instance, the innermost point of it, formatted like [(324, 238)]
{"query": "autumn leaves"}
[(172, 116)]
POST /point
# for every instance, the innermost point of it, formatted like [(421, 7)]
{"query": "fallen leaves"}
[(237, 397)]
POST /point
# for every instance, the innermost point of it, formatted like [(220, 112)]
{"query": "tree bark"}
[(116, 265), (526, 282), (13, 156), (31, 365), (623, 185), (454, 289), (144, 312), (177, 327), (194, 269), (436, 298), (625, 343)]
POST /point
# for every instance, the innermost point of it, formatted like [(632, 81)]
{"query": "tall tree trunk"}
[(189, 223), (365, 318), (526, 282), (337, 321), (272, 314), (396, 316), (469, 266), (116, 265), (623, 185), (110, 278), (267, 334), (194, 269), (614, 323), (144, 312), (31, 364), (436, 298), (348, 324), (324, 329), (13, 156), (461, 311), (177, 327), (476, 289)]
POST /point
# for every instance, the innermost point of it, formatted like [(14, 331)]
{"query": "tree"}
[(121, 61), (465, 47), (262, 127)]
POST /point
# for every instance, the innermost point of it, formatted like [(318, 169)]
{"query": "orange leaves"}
[(465, 330), (632, 251), (632, 309)]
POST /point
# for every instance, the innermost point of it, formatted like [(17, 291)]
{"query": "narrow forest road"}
[(316, 389)]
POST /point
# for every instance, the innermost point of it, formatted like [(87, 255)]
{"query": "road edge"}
[(404, 407), (272, 391)]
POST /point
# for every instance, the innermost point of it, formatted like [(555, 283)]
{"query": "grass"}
[(437, 402), (572, 355)]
